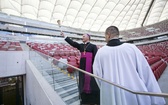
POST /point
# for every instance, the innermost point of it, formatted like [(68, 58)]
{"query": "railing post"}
[(53, 79)]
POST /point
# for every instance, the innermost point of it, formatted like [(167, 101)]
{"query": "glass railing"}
[(54, 71), (66, 84)]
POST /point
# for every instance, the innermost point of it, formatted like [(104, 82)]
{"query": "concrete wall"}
[(13, 63), (38, 91)]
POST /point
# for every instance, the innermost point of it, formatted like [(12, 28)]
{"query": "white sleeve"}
[(148, 77), (97, 69), (65, 37)]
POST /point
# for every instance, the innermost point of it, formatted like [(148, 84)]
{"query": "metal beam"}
[(147, 13)]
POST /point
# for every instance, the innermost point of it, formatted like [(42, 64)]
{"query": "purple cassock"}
[(88, 88), (88, 67)]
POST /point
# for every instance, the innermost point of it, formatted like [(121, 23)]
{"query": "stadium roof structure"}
[(92, 15)]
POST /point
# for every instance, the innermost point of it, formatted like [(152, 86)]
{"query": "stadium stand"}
[(156, 54), (151, 30), (10, 46), (20, 31), (59, 51)]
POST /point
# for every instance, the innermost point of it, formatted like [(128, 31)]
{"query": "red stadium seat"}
[(3, 49), (72, 58), (153, 60), (70, 69), (57, 57), (158, 72), (156, 65)]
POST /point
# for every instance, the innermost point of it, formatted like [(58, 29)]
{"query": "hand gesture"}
[(62, 34)]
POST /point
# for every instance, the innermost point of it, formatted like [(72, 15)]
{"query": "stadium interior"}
[(37, 66)]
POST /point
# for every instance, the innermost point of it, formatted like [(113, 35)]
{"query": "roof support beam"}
[(147, 13)]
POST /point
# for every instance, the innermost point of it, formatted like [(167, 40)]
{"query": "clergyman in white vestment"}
[(124, 64)]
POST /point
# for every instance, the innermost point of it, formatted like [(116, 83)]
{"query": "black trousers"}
[(92, 98)]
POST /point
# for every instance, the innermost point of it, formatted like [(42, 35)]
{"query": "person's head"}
[(111, 32), (86, 38)]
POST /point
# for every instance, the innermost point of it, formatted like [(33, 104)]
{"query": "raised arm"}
[(71, 42)]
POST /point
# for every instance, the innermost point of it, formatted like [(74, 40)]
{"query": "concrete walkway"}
[(163, 83), (24, 46)]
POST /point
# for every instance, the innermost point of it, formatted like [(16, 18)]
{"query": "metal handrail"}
[(117, 85)]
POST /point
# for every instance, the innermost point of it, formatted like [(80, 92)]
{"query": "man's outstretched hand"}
[(62, 34)]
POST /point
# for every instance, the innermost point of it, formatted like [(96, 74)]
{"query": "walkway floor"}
[(163, 83), (24, 47)]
